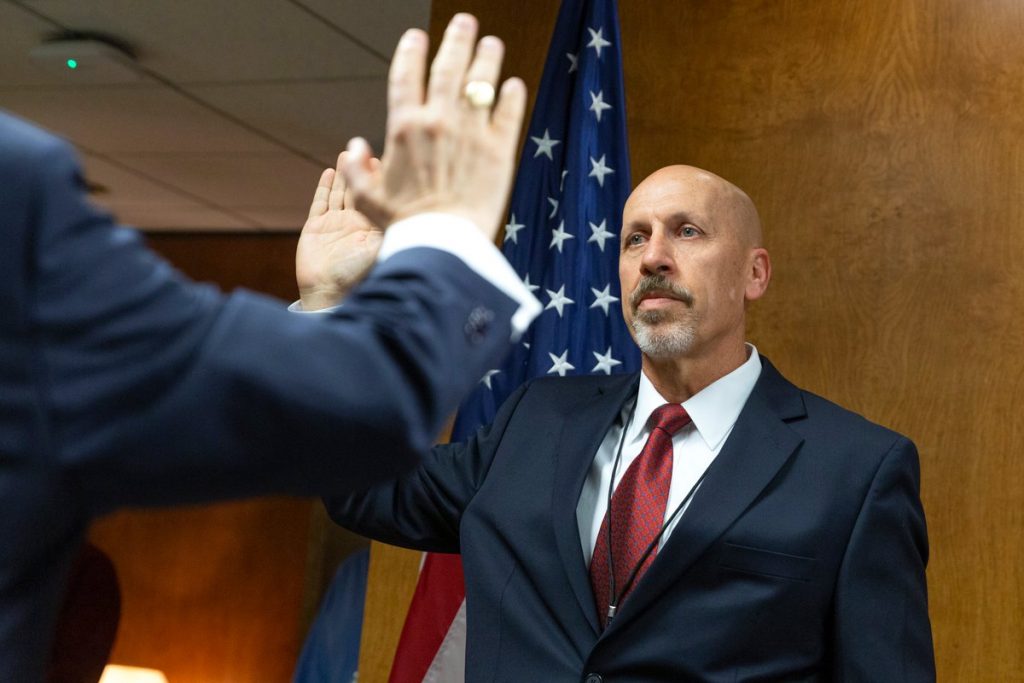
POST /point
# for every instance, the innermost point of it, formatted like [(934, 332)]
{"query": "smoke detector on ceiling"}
[(85, 58)]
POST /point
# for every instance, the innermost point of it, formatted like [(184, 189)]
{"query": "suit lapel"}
[(585, 421), (757, 448)]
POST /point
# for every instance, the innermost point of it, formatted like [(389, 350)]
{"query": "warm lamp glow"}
[(115, 673)]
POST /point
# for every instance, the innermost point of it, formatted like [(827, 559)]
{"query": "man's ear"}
[(759, 274)]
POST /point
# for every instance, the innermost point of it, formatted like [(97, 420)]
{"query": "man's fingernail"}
[(463, 20)]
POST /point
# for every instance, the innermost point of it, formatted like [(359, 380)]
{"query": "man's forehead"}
[(678, 190)]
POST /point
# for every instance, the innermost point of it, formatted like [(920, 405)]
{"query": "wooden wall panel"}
[(215, 593), (210, 593), (884, 144)]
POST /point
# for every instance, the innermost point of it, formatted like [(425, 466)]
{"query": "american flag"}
[(562, 237)]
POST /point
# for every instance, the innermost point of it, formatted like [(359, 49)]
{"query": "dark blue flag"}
[(562, 235)]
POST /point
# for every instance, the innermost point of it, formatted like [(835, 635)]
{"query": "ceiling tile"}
[(379, 23), (131, 119), (277, 180), (138, 201), (275, 219), (186, 216), (123, 186), (244, 102), (21, 32), (317, 118), (227, 40)]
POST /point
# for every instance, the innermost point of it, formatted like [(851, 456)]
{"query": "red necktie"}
[(637, 511)]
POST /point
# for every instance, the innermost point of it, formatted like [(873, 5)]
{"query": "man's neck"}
[(680, 377)]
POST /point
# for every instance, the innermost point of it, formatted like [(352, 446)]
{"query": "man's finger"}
[(447, 73), (350, 200), (336, 200), (323, 191), (486, 68), (405, 77), (509, 112), (363, 178)]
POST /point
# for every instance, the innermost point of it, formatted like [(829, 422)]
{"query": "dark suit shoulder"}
[(825, 425), (21, 143), (845, 421)]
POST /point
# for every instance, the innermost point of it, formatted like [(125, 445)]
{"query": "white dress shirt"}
[(713, 410), (461, 238)]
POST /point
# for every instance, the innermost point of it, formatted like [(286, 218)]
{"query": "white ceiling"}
[(239, 106)]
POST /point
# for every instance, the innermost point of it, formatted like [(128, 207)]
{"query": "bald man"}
[(755, 531)]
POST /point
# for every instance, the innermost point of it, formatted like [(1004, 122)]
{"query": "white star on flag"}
[(512, 229), (597, 40), (545, 145), (605, 363), (597, 103), (529, 286), (599, 170), (558, 300), (561, 183), (560, 364), (600, 233), (554, 206), (604, 297), (558, 236), (574, 62), (486, 379)]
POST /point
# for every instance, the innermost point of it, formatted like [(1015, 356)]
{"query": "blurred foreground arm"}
[(148, 389)]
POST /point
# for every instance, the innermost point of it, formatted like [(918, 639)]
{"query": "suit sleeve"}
[(882, 630), (423, 509), (155, 390)]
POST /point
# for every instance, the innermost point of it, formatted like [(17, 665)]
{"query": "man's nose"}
[(657, 256)]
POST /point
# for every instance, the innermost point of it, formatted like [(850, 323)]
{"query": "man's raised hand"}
[(338, 245), (444, 151)]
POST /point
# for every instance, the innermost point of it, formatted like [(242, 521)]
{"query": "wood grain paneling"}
[(210, 593), (884, 145)]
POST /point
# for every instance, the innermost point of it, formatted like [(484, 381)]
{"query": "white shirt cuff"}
[(296, 307), (462, 239)]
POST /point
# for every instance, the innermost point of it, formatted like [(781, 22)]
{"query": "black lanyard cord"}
[(616, 598)]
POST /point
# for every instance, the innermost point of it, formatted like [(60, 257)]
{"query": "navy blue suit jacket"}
[(801, 557), (121, 383)]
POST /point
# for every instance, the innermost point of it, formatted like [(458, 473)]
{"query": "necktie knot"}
[(670, 418)]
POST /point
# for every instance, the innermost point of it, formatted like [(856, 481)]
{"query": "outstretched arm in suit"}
[(157, 391), (423, 509)]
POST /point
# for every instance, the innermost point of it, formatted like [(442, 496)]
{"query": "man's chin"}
[(662, 340)]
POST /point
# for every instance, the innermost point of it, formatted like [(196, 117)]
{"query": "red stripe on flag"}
[(439, 594)]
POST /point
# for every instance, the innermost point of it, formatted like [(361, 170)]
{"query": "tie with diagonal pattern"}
[(637, 512)]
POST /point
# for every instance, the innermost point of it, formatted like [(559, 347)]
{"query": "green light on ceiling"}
[(72, 64)]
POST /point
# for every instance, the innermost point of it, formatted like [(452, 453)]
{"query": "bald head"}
[(691, 260), (703, 193)]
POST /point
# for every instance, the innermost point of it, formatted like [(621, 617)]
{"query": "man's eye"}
[(635, 239), (689, 231)]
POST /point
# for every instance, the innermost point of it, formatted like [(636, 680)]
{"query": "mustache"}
[(662, 285)]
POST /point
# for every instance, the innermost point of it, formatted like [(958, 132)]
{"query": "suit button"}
[(593, 678), (477, 324)]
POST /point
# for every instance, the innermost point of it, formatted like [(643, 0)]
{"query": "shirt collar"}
[(714, 409)]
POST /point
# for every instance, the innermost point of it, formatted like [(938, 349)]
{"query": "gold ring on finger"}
[(479, 94)]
